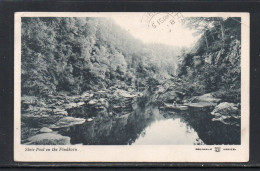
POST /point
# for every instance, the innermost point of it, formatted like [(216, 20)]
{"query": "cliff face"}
[(213, 65), (231, 55)]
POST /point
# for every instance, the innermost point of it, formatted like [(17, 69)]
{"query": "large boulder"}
[(227, 113), (48, 139), (67, 122)]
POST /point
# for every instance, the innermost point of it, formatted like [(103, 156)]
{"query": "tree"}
[(206, 26)]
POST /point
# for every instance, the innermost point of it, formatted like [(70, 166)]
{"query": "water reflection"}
[(150, 126), (167, 132)]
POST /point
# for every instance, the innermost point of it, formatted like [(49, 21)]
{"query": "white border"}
[(139, 153)]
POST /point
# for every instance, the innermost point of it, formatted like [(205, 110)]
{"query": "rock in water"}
[(227, 113), (45, 129), (48, 139), (67, 122), (90, 119), (225, 108)]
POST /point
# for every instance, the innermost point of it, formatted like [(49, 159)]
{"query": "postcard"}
[(131, 87)]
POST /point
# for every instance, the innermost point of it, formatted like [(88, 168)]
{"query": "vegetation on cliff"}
[(213, 64)]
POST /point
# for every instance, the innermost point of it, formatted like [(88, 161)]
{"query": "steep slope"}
[(213, 65), (80, 54)]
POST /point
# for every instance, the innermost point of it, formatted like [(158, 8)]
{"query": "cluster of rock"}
[(46, 136), (40, 116), (224, 112), (52, 105), (170, 92), (50, 138), (106, 103), (227, 113)]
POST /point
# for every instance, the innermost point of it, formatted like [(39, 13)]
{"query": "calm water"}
[(151, 126), (168, 131)]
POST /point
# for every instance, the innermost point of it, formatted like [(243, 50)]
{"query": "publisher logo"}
[(217, 149)]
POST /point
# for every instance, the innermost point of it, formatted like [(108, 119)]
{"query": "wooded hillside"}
[(80, 54)]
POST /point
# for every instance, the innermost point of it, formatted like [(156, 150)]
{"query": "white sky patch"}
[(165, 33)]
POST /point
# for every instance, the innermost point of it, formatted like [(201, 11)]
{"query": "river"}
[(150, 126)]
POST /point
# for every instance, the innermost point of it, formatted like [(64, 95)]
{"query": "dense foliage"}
[(79, 54), (213, 64)]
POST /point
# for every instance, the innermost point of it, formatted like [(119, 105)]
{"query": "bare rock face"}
[(227, 113), (48, 139)]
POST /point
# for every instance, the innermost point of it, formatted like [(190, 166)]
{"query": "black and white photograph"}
[(132, 80)]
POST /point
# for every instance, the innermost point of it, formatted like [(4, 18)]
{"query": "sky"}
[(156, 28)]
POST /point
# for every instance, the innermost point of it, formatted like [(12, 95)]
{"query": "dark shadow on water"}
[(121, 130), (213, 132), (148, 125)]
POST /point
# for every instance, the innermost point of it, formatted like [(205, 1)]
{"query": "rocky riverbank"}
[(223, 112), (42, 117)]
